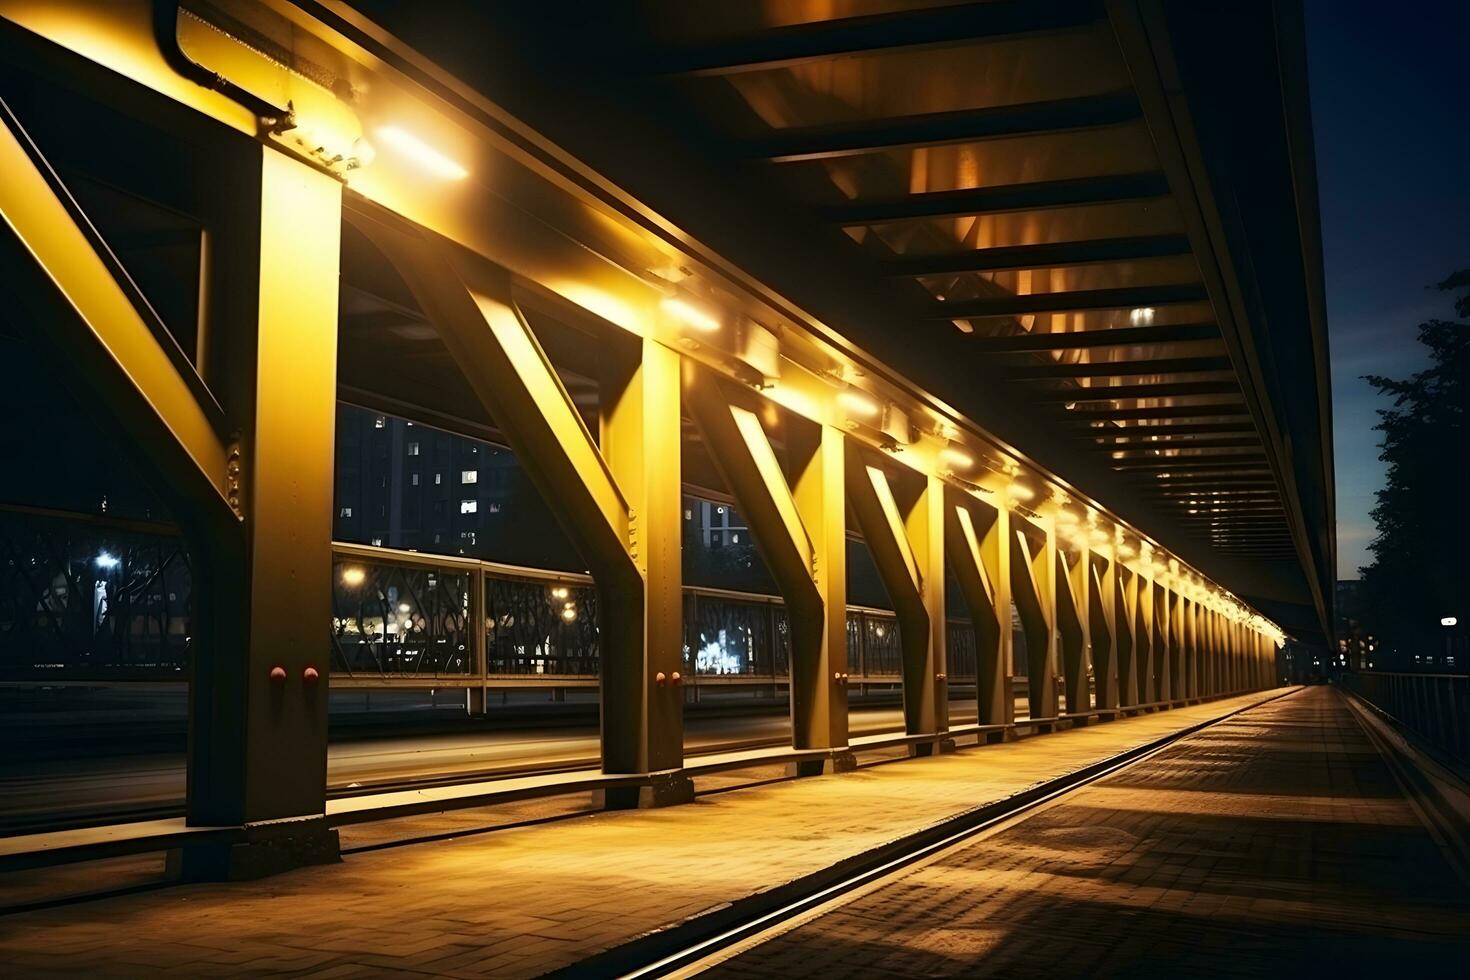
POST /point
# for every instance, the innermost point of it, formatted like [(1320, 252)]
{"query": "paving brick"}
[(526, 899)]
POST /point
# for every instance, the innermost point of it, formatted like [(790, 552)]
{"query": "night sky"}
[(1391, 110)]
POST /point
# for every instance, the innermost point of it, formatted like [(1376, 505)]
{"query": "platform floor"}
[(1289, 787), (1275, 844)]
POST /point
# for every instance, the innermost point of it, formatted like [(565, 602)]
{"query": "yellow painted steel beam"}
[(619, 502), (641, 626), (83, 308), (1102, 630), (1073, 607), (258, 749), (908, 550), (976, 557), (1125, 599), (1163, 672), (742, 453), (1032, 576), (815, 461)]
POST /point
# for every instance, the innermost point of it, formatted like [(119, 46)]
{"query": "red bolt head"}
[(310, 675), (278, 675)]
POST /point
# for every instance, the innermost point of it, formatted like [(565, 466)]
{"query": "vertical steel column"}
[(1125, 595), (1034, 579), (642, 707), (819, 715), (1101, 589), (1143, 633), (1072, 575), (802, 537), (924, 525), (1163, 645), (975, 556), (908, 550), (258, 729), (1179, 681)]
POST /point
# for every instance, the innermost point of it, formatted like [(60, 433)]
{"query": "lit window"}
[(377, 542), (438, 479), (413, 449), (414, 479), (345, 512), (469, 506), (378, 422), (469, 476)]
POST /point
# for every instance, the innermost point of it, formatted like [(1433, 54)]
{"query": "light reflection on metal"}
[(421, 153), (690, 315)]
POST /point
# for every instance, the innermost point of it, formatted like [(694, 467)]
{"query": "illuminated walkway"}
[(1277, 843), (525, 900)]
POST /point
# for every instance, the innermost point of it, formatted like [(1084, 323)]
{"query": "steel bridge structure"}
[(1026, 294)]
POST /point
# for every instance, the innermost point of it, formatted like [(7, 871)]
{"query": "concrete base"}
[(994, 738), (841, 762), (941, 744), (267, 849), (664, 789)]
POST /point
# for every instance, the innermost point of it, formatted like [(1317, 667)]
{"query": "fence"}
[(91, 596), (1434, 706)]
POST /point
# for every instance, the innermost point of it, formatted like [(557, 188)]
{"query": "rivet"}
[(311, 675), (278, 675), (659, 678)]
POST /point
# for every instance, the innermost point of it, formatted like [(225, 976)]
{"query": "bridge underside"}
[(1005, 363)]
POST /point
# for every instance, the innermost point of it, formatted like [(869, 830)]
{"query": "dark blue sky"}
[(1391, 110)]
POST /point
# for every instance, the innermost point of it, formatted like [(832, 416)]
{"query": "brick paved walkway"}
[(524, 900), (1276, 844)]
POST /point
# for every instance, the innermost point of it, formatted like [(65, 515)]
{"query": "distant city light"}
[(422, 153), (353, 575), (1141, 316), (104, 560), (1449, 621)]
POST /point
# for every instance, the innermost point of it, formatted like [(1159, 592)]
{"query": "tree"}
[(1421, 565)]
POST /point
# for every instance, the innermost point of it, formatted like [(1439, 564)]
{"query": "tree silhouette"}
[(1419, 573)]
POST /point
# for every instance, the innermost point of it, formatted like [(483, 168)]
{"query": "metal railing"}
[(1434, 706), (408, 617), (90, 595)]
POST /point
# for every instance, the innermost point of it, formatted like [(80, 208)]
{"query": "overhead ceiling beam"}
[(1040, 256), (1168, 432), (1147, 447), (1078, 339), (1164, 389), (1105, 412), (959, 126), (850, 36), (1069, 301), (1000, 198), (1119, 369), (1237, 462)]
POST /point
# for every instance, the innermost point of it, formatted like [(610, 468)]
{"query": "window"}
[(378, 422), (469, 506), (438, 478), (467, 536), (414, 479), (413, 449), (345, 512), (469, 476), (377, 542)]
